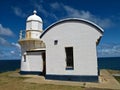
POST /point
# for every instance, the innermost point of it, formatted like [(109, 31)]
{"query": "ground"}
[(14, 81)]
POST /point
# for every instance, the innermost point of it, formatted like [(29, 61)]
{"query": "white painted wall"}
[(35, 34), (34, 25), (33, 62), (82, 38)]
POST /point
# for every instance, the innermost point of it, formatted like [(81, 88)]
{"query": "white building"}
[(70, 52), (32, 48)]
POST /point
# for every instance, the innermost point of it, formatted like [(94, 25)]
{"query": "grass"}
[(115, 72), (8, 82), (16, 83), (117, 78)]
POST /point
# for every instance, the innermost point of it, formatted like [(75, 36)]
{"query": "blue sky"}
[(13, 15)]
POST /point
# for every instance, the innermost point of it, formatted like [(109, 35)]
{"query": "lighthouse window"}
[(55, 42), (24, 57), (69, 58)]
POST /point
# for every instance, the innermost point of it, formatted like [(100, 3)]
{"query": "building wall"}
[(82, 38), (32, 34), (32, 62), (33, 25)]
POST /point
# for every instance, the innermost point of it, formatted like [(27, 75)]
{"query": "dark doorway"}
[(44, 63), (69, 57)]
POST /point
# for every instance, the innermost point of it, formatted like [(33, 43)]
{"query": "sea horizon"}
[(103, 63), (97, 58)]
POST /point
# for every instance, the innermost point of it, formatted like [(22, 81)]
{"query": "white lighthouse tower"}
[(32, 48), (34, 26)]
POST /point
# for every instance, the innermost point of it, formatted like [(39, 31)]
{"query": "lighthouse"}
[(66, 50), (32, 48), (34, 26)]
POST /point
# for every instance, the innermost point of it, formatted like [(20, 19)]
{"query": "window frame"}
[(69, 64)]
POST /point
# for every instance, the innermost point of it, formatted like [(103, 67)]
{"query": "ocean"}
[(9, 65), (103, 63), (109, 63)]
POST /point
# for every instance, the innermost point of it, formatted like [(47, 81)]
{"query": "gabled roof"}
[(99, 29)]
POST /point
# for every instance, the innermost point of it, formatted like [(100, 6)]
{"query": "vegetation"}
[(115, 72), (8, 82), (117, 78), (16, 83)]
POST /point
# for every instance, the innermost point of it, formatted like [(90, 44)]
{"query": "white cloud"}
[(75, 13), (12, 52), (109, 50), (9, 50), (55, 5), (41, 9), (7, 44), (4, 42), (9, 54), (5, 31), (66, 11), (18, 11), (47, 12), (71, 12), (16, 45)]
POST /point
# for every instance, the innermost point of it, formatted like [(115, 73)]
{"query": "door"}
[(44, 63)]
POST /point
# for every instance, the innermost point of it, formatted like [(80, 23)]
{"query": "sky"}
[(13, 15)]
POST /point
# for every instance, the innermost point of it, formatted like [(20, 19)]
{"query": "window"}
[(24, 56), (55, 42), (69, 58)]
